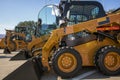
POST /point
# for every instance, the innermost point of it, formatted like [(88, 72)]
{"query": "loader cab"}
[(20, 29), (30, 31), (80, 11), (27, 31), (48, 18)]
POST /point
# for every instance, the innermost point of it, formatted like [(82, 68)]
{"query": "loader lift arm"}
[(52, 42)]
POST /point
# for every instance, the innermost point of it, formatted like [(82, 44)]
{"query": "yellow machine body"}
[(2, 43), (87, 50), (37, 43), (13, 44)]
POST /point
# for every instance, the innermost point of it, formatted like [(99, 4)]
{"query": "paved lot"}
[(7, 66), (87, 73)]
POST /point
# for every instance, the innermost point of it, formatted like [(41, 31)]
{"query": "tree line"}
[(27, 24)]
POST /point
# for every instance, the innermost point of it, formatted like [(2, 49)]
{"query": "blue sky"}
[(14, 11)]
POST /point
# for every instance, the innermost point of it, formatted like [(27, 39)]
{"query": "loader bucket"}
[(22, 55), (30, 70), (6, 51)]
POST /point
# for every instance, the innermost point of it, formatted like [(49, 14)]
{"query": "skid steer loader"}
[(34, 46), (86, 36), (18, 39), (11, 41)]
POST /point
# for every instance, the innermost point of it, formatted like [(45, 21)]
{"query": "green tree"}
[(27, 24)]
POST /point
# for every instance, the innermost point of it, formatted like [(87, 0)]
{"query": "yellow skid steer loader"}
[(85, 36)]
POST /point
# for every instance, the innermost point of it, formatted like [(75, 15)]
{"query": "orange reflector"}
[(108, 28)]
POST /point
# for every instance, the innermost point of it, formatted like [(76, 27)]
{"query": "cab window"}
[(81, 13), (48, 15)]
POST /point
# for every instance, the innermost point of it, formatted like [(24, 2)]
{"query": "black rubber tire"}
[(100, 60), (55, 62), (97, 56)]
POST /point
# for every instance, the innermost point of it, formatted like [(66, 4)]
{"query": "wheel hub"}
[(67, 62), (112, 61)]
